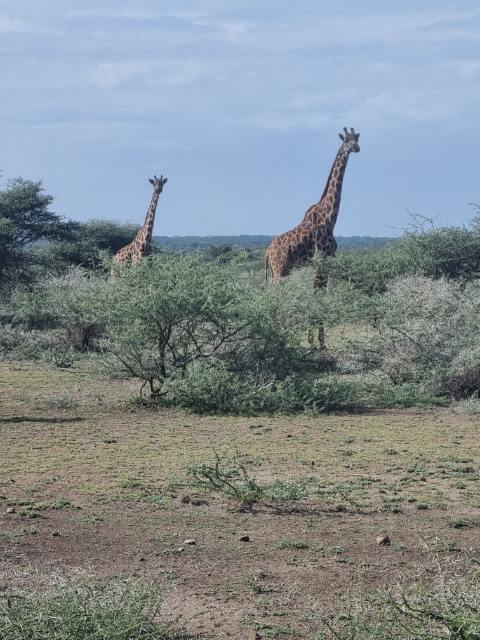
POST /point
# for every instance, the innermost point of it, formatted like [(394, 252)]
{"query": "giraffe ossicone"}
[(314, 234), (141, 245)]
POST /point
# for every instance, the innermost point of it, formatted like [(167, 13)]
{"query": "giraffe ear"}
[(341, 136), (357, 136), (151, 181)]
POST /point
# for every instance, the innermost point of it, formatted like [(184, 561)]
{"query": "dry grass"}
[(76, 422), (67, 434)]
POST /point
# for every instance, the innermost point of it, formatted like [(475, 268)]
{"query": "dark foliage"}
[(25, 218)]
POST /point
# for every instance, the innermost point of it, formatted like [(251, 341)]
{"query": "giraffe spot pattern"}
[(315, 232)]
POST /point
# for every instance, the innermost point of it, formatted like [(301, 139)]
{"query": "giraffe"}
[(315, 233), (142, 243)]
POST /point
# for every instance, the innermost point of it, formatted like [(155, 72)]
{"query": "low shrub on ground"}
[(424, 332), (71, 304), (48, 346), (469, 407), (448, 610), (212, 388), (81, 610), (383, 393), (227, 474)]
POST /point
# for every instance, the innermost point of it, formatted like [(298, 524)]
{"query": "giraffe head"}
[(350, 140), (158, 183)]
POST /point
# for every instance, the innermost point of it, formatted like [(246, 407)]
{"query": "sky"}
[(239, 103)]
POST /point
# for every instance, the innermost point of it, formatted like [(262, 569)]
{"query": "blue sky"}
[(239, 103)]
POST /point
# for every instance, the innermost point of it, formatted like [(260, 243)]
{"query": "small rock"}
[(55, 534), (244, 538), (197, 502), (383, 540), (11, 510), (253, 635), (190, 541), (142, 559), (180, 549), (185, 499)]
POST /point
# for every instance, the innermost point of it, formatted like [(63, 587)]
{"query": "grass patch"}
[(291, 544), (469, 407), (449, 609), (62, 504), (464, 522), (81, 610), (297, 489), (131, 483), (227, 474)]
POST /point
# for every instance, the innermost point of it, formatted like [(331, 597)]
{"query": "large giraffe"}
[(141, 245), (315, 233)]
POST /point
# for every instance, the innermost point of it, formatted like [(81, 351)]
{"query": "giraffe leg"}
[(320, 281), (321, 337), (318, 341)]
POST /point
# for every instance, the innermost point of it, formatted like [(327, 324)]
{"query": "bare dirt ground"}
[(88, 483)]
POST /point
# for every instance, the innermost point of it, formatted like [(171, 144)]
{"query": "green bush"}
[(449, 610), (173, 312), (17, 343), (209, 388), (450, 253), (71, 303), (81, 610), (384, 393), (469, 407), (420, 331), (367, 271), (226, 474), (85, 244)]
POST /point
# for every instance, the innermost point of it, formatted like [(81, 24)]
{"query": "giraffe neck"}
[(333, 189), (145, 232)]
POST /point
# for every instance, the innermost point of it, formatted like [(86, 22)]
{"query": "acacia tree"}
[(174, 312), (25, 218), (87, 244)]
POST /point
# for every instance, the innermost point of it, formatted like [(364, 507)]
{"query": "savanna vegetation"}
[(141, 411), (204, 331)]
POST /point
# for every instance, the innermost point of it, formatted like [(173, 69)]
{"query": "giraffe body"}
[(141, 245), (314, 234)]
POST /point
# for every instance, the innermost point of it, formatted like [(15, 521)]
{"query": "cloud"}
[(115, 133), (12, 25), (110, 75), (254, 67), (135, 14), (113, 75)]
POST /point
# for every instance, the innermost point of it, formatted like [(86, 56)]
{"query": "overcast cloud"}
[(239, 103)]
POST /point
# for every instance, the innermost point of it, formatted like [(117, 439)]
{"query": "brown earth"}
[(100, 487)]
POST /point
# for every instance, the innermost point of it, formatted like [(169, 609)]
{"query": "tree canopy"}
[(25, 218)]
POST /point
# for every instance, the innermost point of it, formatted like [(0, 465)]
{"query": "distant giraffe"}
[(315, 233), (141, 245)]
